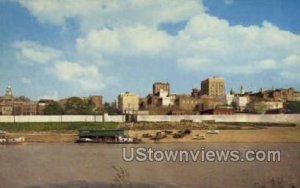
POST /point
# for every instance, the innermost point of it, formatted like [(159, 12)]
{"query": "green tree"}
[(53, 109), (293, 107), (110, 109), (76, 105), (260, 108), (23, 98), (88, 108)]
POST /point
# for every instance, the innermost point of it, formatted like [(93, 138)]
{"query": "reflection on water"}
[(63, 165)]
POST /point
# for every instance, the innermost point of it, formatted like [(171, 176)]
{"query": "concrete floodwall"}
[(6, 118), (52, 118), (169, 118), (82, 118), (114, 118), (272, 118)]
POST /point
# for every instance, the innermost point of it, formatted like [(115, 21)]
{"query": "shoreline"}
[(266, 135)]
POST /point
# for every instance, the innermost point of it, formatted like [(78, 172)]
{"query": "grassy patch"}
[(260, 124), (218, 125), (65, 126)]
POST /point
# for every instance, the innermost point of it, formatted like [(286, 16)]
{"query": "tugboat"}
[(4, 139)]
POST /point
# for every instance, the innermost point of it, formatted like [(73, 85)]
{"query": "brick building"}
[(209, 102), (159, 87), (97, 101), (214, 86), (187, 102), (283, 95), (128, 102), (10, 105)]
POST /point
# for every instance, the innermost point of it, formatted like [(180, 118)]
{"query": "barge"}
[(109, 136), (4, 139)]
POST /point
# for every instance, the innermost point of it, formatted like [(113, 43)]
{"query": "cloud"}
[(209, 44), (292, 61), (290, 68), (32, 52), (86, 77), (25, 80), (95, 14), (207, 65), (124, 41), (130, 29)]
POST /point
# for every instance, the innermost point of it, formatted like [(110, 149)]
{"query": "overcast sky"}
[(55, 49)]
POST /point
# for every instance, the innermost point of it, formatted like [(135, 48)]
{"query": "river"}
[(61, 165)]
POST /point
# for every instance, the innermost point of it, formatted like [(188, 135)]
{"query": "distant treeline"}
[(77, 106)]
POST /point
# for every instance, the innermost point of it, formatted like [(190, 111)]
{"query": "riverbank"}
[(59, 127), (269, 134)]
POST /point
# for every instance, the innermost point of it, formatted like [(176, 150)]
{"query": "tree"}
[(88, 108), (23, 98), (53, 109), (260, 108), (76, 105), (293, 107), (110, 109)]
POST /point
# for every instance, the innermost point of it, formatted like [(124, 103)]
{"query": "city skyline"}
[(58, 49), (202, 90)]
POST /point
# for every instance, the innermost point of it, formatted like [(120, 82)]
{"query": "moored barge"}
[(110, 136), (4, 139)]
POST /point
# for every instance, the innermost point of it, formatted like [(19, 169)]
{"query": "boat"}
[(79, 140), (4, 139), (213, 132), (119, 140), (110, 136)]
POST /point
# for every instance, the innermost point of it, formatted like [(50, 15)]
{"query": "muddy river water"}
[(102, 165)]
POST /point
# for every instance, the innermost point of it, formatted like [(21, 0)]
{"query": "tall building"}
[(161, 87), (7, 107), (214, 86), (8, 94), (97, 101), (128, 102)]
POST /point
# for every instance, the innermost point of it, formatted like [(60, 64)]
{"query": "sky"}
[(56, 49)]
